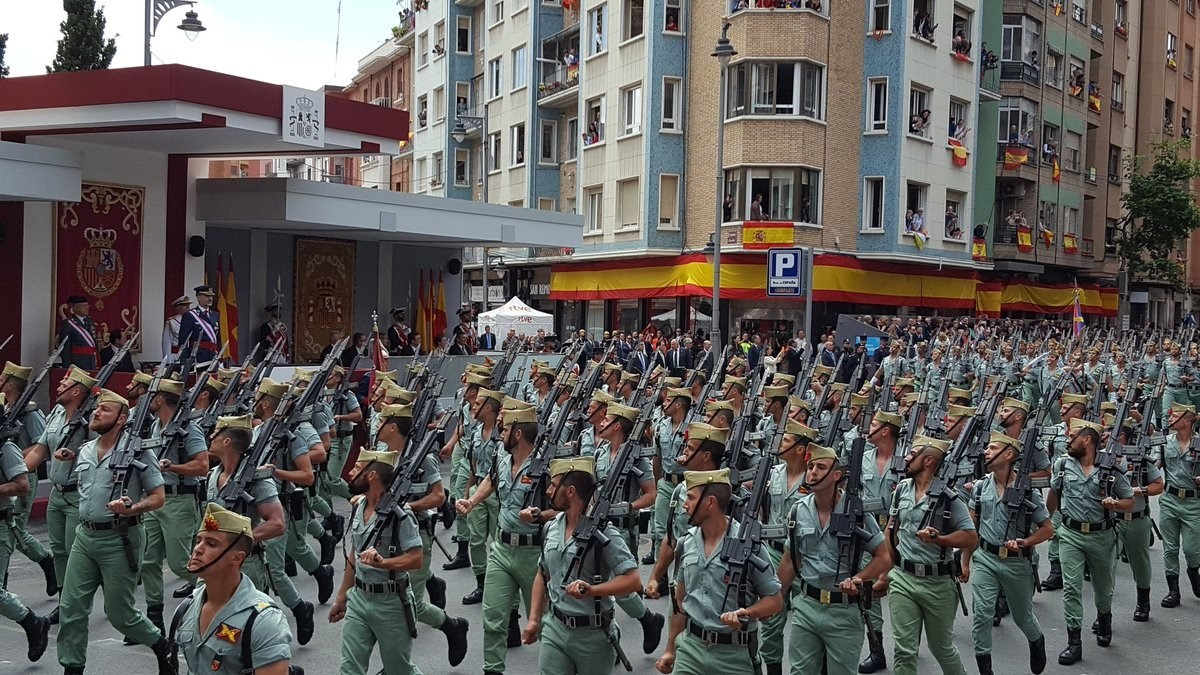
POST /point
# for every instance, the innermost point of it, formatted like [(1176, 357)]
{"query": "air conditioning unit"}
[(1012, 190)]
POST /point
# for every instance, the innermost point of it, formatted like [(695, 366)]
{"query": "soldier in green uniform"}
[(1179, 505), (921, 592), (322, 422), (13, 382), (596, 411), (707, 634), (1133, 527), (375, 599), (13, 484), (1179, 376), (425, 497), (878, 481), (512, 561), (1053, 441), (481, 456), (668, 440), (168, 528), (579, 636), (456, 449), (62, 509), (346, 413), (228, 627), (109, 540), (827, 626), (1086, 534), (1003, 561)]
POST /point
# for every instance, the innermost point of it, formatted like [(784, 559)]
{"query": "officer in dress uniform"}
[(579, 635), (202, 326), (13, 381), (271, 331), (245, 630), (79, 331), (1179, 506), (170, 335)]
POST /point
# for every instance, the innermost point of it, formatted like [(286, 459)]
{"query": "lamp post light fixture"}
[(157, 9), (724, 51)]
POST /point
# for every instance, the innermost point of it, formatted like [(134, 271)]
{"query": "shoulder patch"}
[(228, 633), (263, 605)]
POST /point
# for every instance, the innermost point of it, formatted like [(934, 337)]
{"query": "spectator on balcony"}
[(421, 117), (460, 105), (908, 221), (727, 209), (814, 5), (980, 231), (1027, 138), (953, 231), (592, 135), (923, 26), (806, 209), (1077, 77), (757, 212), (672, 23), (1033, 58), (1049, 151), (1014, 135), (990, 60), (961, 44), (1093, 88), (918, 221), (439, 50), (570, 58)]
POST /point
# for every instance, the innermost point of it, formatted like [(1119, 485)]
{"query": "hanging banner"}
[(324, 292), (98, 254)]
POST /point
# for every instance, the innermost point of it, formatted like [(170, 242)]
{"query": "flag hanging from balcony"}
[(979, 249), (958, 152), (919, 238), (1024, 239), (1058, 9), (764, 234), (1070, 243), (1094, 102), (1076, 90), (1015, 156), (1047, 237), (1057, 175)]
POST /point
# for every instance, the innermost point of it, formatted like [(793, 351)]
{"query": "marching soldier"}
[(170, 334), (1086, 535), (1133, 528), (879, 479), (457, 448), (1054, 441), (1179, 506), (579, 636), (1003, 565), (921, 584), (201, 326), (827, 626), (668, 441), (108, 541), (13, 382), (596, 411), (245, 631), (1179, 375), (136, 389), (707, 636), (79, 330), (481, 455)]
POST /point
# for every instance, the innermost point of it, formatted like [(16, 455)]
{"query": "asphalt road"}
[(1164, 644)]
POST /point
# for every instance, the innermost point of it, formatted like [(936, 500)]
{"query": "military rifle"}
[(735, 447), (126, 454), (573, 414), (504, 363), (839, 421), (936, 408), (710, 386), (341, 394), (217, 406), (560, 373), (1018, 496), (246, 391), (984, 414), (177, 428), (740, 551), (10, 423), (819, 404), (78, 422)]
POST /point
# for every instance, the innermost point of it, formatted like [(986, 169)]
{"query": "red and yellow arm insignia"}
[(228, 633)]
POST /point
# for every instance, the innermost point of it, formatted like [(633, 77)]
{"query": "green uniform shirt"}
[(907, 514), (482, 452), (677, 524), (302, 441), (193, 444), (876, 487), (406, 537), (12, 465), (818, 550), (348, 407), (322, 417), (1052, 441), (1079, 494), (61, 473), (1175, 372), (587, 440), (604, 459), (601, 564), (511, 491), (893, 367), (95, 479), (704, 578), (219, 649), (33, 423), (1179, 464), (1149, 473), (668, 439), (993, 515), (261, 489), (780, 495)]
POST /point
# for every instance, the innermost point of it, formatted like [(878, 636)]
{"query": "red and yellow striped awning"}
[(743, 277)]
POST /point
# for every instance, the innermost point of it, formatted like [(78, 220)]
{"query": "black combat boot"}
[(155, 614), (514, 630), (1074, 651), (47, 565), (1142, 611), (1194, 577), (436, 588), (476, 596), (303, 611), (324, 577), (984, 663), (462, 559), (652, 554), (1054, 580), (652, 628), (1171, 599), (876, 660), (162, 654), (774, 668), (73, 670), (456, 639), (336, 525), (328, 548), (37, 634), (1104, 630), (1037, 655)]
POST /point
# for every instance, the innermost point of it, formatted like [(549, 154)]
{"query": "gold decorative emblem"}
[(99, 267)]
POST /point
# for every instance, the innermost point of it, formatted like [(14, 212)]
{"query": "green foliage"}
[(1160, 212), (82, 46), (3, 46)]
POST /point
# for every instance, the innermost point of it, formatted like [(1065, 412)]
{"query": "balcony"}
[(1098, 32), (403, 33), (1017, 71), (558, 85), (468, 3)]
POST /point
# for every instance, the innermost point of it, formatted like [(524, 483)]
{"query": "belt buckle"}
[(571, 622), (826, 597), (882, 518), (1182, 494), (919, 569), (1085, 528), (709, 636), (1002, 552)]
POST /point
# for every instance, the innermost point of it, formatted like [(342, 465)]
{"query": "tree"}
[(3, 45), (1160, 212), (82, 46)]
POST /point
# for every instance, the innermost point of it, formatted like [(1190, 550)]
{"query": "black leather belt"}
[(1135, 515), (1084, 526), (572, 621), (1003, 552), (66, 489), (513, 539), (1182, 493), (110, 524), (181, 489), (673, 478), (720, 637), (942, 569), (394, 586), (825, 597)]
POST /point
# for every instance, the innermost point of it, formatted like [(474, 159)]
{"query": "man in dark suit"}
[(460, 346), (202, 326), (80, 332), (705, 359), (679, 360), (487, 340), (116, 340), (638, 361)]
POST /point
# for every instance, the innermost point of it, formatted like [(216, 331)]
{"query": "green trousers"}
[(575, 651), (25, 542), (1179, 521), (1096, 549), (373, 619), (274, 551), (510, 572), (923, 604), (632, 604), (459, 469), (297, 544), (62, 520), (1173, 395), (99, 560), (824, 635), (1052, 547), (481, 526), (339, 452), (991, 574), (1134, 538), (169, 534), (427, 612), (11, 606), (693, 656), (770, 646), (662, 511)]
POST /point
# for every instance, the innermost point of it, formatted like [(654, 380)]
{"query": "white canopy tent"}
[(517, 316), (698, 319)]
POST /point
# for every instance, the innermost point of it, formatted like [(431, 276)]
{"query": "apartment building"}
[(384, 78)]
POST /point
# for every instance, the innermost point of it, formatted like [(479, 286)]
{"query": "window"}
[(1048, 217), (1054, 69), (811, 89), (1121, 14), (1021, 39), (673, 16), (1114, 163), (495, 78), (1169, 116), (915, 218), (920, 118), (629, 206), (545, 204), (422, 111), (783, 193), (517, 136), (594, 197), (877, 90), (923, 20), (633, 18), (462, 97), (423, 49), (494, 152), (1185, 123), (597, 27), (960, 116), (1078, 11), (439, 105), (1172, 46), (960, 40), (462, 167), (595, 125), (1110, 236), (631, 110), (1072, 144), (572, 138), (668, 202), (1070, 220), (439, 39), (781, 199), (521, 5), (520, 67), (547, 145), (955, 203), (672, 102), (1189, 59), (1191, 6), (435, 178), (1077, 77), (1118, 91), (881, 16), (873, 204), (1049, 143), (776, 88), (462, 36), (497, 14), (420, 174)]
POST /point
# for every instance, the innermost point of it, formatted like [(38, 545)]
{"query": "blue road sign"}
[(787, 273)]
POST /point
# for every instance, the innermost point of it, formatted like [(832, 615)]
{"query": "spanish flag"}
[(979, 249), (764, 234), (919, 238), (1047, 237), (1058, 9), (1015, 156), (1076, 89), (958, 152), (1094, 102), (422, 324), (1024, 239), (1057, 175), (1070, 243)]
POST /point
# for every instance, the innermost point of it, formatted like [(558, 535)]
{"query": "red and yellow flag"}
[(1057, 175), (1024, 239), (958, 152), (229, 322), (1015, 156), (1070, 243), (764, 234), (422, 324), (439, 307), (979, 249), (1047, 237), (1094, 102)]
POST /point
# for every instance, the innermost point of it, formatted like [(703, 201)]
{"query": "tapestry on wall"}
[(324, 294), (98, 254)]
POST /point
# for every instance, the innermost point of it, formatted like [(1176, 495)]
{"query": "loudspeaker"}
[(454, 266), (195, 246)]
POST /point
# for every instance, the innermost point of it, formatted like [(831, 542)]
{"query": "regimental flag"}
[(1047, 237), (979, 249), (439, 308), (379, 362), (958, 152), (1094, 102), (1024, 239), (1076, 316), (1070, 243), (1015, 156), (1057, 175), (765, 234), (422, 323), (229, 322), (222, 301)]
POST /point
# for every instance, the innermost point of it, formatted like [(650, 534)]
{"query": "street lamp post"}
[(157, 9), (724, 51)]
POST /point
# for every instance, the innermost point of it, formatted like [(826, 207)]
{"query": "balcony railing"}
[(989, 80), (1087, 246), (1098, 32), (558, 79), (1017, 71)]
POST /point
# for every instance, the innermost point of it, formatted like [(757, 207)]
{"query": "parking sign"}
[(787, 273)]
